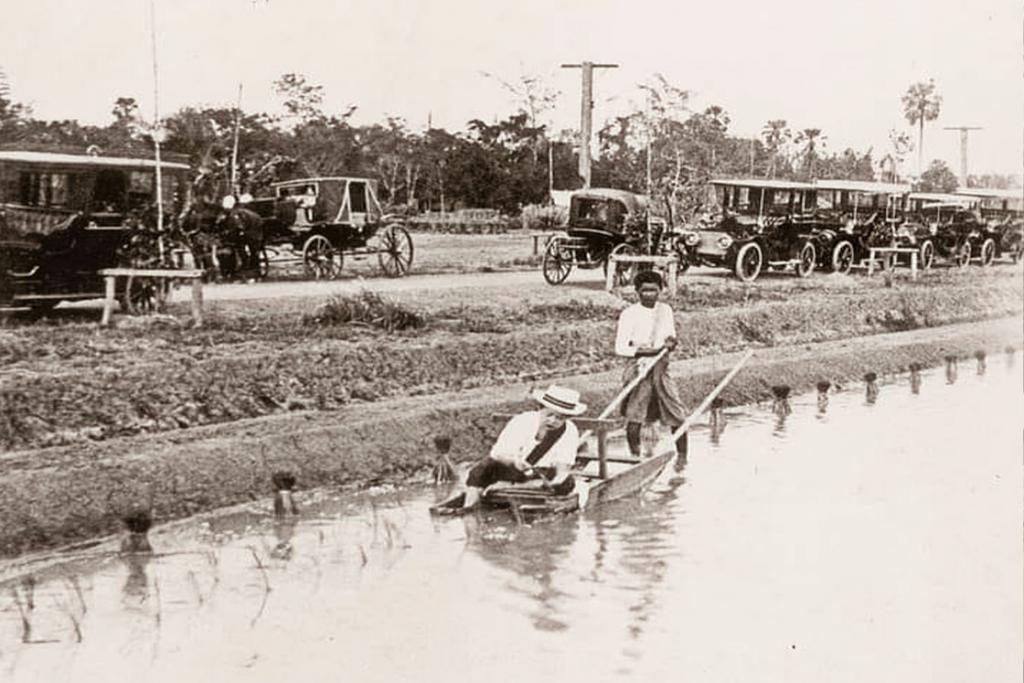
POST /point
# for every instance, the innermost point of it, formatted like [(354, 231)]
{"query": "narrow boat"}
[(611, 481)]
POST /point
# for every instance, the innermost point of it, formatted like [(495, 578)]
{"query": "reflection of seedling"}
[(980, 355), (444, 470), (780, 406), (29, 584), (871, 388)]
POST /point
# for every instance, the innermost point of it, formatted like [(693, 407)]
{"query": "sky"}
[(838, 66)]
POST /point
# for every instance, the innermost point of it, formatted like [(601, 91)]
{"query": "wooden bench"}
[(110, 276), (669, 264), (600, 428), (872, 258)]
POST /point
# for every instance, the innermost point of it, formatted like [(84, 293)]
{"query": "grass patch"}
[(367, 308)]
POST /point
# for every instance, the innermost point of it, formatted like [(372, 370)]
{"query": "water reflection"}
[(915, 379), (531, 554), (951, 370), (780, 407), (135, 591), (982, 365), (870, 388), (716, 422), (822, 401)]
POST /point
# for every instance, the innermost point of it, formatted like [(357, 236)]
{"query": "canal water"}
[(873, 536)]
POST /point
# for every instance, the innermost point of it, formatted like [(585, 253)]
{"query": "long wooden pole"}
[(710, 397)]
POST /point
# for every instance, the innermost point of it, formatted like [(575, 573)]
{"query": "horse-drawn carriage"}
[(322, 220), (67, 216), (762, 223), (604, 223)]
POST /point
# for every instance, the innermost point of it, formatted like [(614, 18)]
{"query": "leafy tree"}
[(810, 138), (921, 103), (938, 178), (995, 181)]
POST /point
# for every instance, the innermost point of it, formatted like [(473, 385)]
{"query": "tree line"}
[(505, 164)]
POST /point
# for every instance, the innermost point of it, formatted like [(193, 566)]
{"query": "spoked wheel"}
[(558, 262), (321, 260), (624, 272), (842, 258), (926, 254), (963, 254), (806, 260), (988, 251), (749, 260), (395, 256), (682, 257), (144, 295)]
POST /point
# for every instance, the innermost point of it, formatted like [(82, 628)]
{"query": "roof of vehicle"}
[(764, 183), (991, 193), (632, 200), (63, 159), (303, 181), (861, 186), (944, 198)]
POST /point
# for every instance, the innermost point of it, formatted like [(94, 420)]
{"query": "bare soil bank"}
[(56, 495), (75, 385)]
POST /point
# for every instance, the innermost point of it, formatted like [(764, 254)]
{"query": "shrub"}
[(367, 308)]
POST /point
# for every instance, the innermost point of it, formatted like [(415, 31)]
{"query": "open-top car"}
[(763, 223), (1003, 212), (604, 222), (852, 216), (325, 219), (67, 216)]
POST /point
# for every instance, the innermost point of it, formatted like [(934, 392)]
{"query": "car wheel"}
[(842, 258), (963, 255), (806, 260), (748, 262), (926, 255), (988, 251)]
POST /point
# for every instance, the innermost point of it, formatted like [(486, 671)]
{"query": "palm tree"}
[(775, 133), (810, 137), (921, 103)]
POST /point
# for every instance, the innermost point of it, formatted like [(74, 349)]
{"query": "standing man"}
[(645, 328)]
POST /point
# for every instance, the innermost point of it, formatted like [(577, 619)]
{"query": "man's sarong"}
[(656, 398)]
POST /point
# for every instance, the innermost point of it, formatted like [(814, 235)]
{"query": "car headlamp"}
[(724, 241)]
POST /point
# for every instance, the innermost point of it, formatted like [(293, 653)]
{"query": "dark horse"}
[(225, 242)]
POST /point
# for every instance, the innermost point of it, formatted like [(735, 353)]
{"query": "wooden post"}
[(913, 265), (672, 275), (108, 301), (609, 284), (197, 301), (871, 262), (602, 453)]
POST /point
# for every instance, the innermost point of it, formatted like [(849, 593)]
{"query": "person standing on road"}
[(644, 329)]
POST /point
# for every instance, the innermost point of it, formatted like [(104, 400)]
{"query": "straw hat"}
[(560, 399)]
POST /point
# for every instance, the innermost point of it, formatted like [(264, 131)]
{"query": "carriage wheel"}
[(624, 272), (557, 262), (806, 260), (395, 256), (145, 295), (988, 251), (748, 262), (321, 260), (842, 258), (926, 255), (963, 254)]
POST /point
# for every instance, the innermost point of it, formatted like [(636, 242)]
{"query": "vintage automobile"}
[(946, 226), (66, 216), (325, 219), (603, 222), (1003, 212), (761, 223), (852, 216)]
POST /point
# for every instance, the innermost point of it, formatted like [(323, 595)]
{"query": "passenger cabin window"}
[(43, 189), (357, 197)]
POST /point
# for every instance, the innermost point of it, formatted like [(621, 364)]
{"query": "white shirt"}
[(518, 438), (642, 326)]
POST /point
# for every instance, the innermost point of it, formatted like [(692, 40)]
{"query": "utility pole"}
[(586, 113), (235, 190), (963, 150)]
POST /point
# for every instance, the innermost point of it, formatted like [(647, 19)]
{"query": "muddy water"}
[(875, 537)]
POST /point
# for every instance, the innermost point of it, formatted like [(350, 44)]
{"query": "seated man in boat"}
[(645, 328), (535, 446)]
